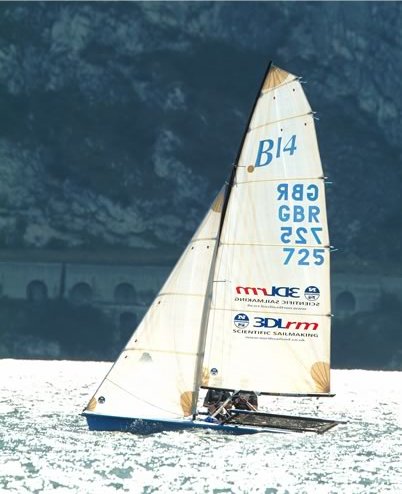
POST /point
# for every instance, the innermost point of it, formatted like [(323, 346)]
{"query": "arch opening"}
[(81, 293), (37, 291), (345, 302), (124, 294)]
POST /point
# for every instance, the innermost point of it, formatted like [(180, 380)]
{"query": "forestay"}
[(269, 324)]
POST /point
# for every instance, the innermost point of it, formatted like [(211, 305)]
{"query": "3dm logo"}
[(241, 321), (274, 291), (312, 293), (271, 323)]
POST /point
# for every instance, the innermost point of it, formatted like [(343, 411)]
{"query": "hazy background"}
[(120, 121)]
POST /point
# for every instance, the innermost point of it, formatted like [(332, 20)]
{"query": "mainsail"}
[(248, 304), (269, 324)]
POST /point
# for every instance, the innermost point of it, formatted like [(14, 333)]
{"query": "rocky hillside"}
[(119, 121)]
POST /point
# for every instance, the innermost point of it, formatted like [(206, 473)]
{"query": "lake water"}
[(45, 445)]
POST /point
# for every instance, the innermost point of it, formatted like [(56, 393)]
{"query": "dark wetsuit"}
[(243, 399), (216, 396)]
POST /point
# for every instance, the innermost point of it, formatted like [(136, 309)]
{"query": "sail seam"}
[(277, 311), (201, 239)]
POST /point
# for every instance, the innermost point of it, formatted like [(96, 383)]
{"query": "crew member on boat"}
[(245, 400), (219, 401)]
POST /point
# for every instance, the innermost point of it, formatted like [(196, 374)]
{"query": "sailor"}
[(245, 400), (217, 399)]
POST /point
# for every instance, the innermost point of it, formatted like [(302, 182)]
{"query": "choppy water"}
[(45, 445)]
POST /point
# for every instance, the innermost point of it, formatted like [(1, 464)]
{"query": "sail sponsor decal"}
[(299, 214), (241, 321), (273, 291), (312, 293), (277, 297), (275, 327)]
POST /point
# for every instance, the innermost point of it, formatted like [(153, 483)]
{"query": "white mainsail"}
[(269, 324)]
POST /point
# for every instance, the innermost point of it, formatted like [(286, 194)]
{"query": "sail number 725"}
[(304, 257)]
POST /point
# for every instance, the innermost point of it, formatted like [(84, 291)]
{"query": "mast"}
[(208, 295)]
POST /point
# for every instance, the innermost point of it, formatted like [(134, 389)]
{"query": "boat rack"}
[(285, 422)]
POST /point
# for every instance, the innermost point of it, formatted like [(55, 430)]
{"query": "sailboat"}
[(247, 306)]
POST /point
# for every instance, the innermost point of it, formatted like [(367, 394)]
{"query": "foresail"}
[(156, 375), (269, 324)]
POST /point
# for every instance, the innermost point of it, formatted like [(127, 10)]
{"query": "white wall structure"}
[(114, 288)]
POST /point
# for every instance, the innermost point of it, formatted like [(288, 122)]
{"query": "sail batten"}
[(280, 121), (289, 179), (267, 123), (254, 244), (278, 311)]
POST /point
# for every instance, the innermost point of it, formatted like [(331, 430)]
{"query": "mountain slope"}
[(121, 120)]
